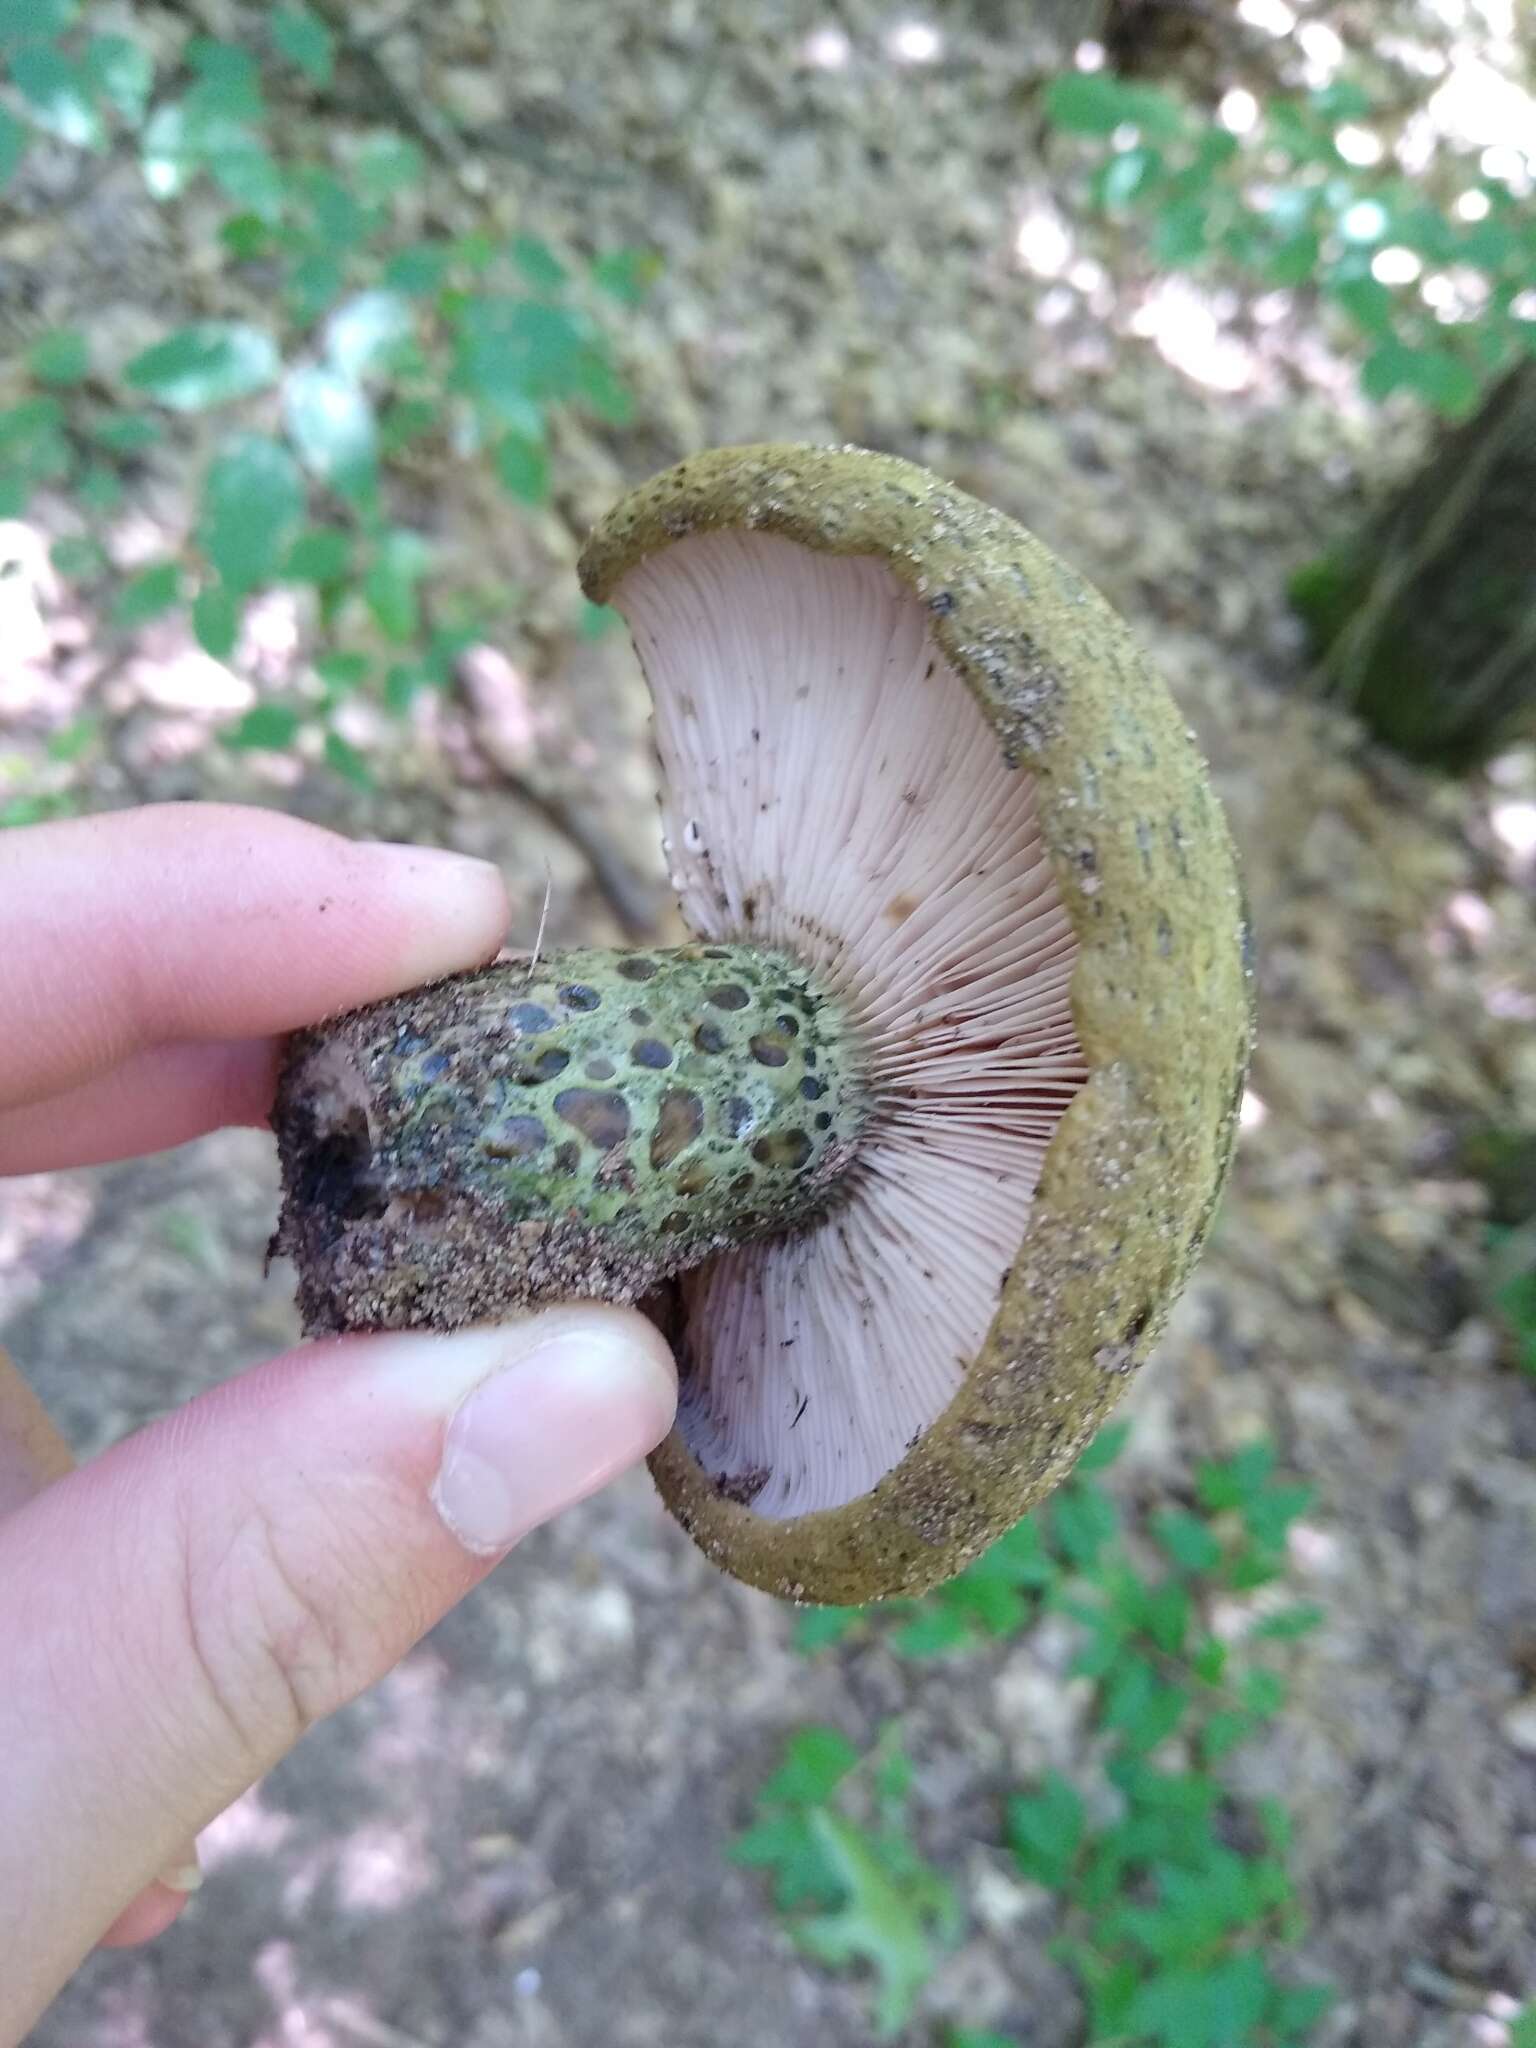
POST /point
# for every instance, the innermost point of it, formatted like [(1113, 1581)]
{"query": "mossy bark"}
[(1426, 624)]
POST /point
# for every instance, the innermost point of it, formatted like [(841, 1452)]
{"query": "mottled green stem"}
[(588, 1125)]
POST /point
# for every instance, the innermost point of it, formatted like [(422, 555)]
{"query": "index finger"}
[(189, 921)]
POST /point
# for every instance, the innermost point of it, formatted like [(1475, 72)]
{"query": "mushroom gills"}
[(594, 1123)]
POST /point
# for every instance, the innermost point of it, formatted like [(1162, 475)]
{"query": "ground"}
[(518, 1839)]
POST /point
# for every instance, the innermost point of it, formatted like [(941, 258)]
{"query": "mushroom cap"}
[(1137, 855)]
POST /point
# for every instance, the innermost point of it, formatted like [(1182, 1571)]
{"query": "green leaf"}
[(510, 351), (1227, 1484), (934, 1629), (595, 620), (1341, 101), (168, 153), (1223, 1732), (344, 760), (784, 1844), (1105, 1447), (32, 21), (252, 502), (13, 146), (343, 671), (340, 220), (884, 1923), (32, 440), (304, 39), (818, 1627), (208, 363), (1268, 1516), (242, 168), (367, 333), (626, 274), (523, 467), (1295, 2009), (1262, 1692), (59, 95), (387, 163), (1083, 1520), (127, 433), (313, 282), (270, 727), (78, 557), (1213, 2006), (816, 1760), (1431, 373), (1290, 1622), (147, 595), (248, 236), (61, 357), (1098, 102), (1138, 1705), (538, 263), (418, 269), (1128, 175), (1180, 231), (122, 72), (389, 587), (973, 2037), (1187, 1540), (1369, 303), (1522, 2031), (1045, 1831), (216, 620), (330, 422), (100, 488), (404, 682), (321, 554), (228, 84)]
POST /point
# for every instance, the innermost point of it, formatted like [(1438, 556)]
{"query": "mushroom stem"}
[(590, 1124)]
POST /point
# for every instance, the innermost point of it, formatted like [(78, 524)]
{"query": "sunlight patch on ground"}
[(1184, 325), (915, 42), (1042, 241), (827, 49)]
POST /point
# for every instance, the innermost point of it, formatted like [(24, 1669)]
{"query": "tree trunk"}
[(1426, 625)]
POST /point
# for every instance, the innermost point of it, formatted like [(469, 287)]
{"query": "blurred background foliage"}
[(363, 344)]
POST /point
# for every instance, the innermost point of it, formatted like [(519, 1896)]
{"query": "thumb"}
[(176, 1613)]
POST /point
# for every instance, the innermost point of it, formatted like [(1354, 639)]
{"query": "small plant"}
[(386, 351), (854, 1891), (1436, 299), (1173, 1895), (1512, 1288)]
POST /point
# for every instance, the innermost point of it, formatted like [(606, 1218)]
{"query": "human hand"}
[(175, 1614)]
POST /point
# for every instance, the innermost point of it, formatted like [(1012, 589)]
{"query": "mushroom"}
[(911, 1152)]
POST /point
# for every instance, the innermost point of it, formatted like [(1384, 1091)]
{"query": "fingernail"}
[(573, 1411), (181, 1877), (453, 908)]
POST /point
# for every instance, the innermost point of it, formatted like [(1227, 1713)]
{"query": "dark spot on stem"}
[(516, 1137), (679, 1120), (601, 1116)]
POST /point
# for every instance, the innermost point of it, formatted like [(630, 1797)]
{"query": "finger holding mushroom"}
[(913, 1199)]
